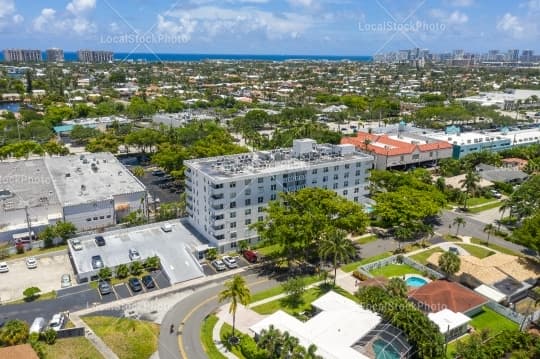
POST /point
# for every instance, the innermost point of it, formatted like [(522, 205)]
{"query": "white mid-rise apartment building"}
[(226, 194)]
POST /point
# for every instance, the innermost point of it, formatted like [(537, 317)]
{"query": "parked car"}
[(76, 244), (134, 254), (496, 194), (166, 227), (4, 267), (104, 288), (230, 262), (135, 284), (219, 265), (38, 325), (57, 321), (100, 241), (65, 281), (251, 256), (158, 173), (31, 263), (454, 250), (148, 281), (97, 262)]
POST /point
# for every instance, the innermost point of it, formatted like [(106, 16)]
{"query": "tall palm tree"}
[(236, 291), (470, 184), (459, 222), (397, 287), (489, 229), (449, 263), (336, 245), (505, 205)]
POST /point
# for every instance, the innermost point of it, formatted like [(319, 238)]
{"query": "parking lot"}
[(89, 294), (209, 269), (46, 276), (161, 186)]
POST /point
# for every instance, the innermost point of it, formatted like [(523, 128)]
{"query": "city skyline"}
[(310, 27)]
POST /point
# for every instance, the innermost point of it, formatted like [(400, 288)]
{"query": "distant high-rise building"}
[(22, 55), (458, 54), (492, 55), (55, 55), (512, 55), (94, 56), (527, 55)]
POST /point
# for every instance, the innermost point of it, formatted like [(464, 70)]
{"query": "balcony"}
[(218, 206), (217, 196)]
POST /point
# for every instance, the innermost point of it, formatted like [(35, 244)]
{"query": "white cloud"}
[(47, 21), (7, 7), (461, 3), (304, 3), (212, 21), (453, 18), (8, 15), (511, 24), (77, 7), (532, 5)]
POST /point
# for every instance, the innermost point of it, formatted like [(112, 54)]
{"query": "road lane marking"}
[(197, 307)]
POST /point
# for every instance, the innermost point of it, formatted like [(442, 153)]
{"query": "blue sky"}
[(340, 27)]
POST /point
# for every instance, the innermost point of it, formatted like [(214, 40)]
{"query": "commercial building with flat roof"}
[(226, 194), (91, 191)]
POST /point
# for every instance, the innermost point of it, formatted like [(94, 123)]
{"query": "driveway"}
[(446, 246)]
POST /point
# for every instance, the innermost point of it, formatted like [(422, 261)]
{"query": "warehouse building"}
[(226, 194), (91, 191)]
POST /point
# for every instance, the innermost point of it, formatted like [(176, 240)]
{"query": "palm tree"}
[(397, 287), (505, 205), (459, 222), (449, 263), (236, 291), (337, 245), (470, 184), (489, 229)]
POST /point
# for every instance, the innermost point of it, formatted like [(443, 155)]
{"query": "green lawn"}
[(491, 320), (269, 249), (354, 265), (37, 251), (478, 252), (484, 207), (271, 292), (366, 239), (395, 270), (207, 340), (422, 257), (127, 338), (41, 296), (475, 201), (496, 247), (69, 348), (225, 332)]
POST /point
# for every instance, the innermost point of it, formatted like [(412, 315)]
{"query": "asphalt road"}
[(187, 316)]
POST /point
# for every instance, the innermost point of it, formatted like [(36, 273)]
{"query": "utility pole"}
[(28, 224)]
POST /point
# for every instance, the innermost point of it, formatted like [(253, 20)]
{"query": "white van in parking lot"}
[(38, 325)]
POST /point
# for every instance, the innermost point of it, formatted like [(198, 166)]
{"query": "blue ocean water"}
[(149, 57)]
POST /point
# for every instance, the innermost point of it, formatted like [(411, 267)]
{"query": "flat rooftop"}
[(90, 177), (269, 162), (515, 137), (175, 249), (26, 183)]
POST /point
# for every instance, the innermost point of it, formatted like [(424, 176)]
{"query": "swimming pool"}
[(384, 350), (416, 282)]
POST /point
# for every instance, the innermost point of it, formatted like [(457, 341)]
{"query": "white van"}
[(38, 325)]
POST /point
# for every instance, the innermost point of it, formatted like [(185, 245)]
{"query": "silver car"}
[(65, 281), (134, 254), (230, 262), (219, 265)]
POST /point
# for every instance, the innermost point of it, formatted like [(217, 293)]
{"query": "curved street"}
[(188, 314)]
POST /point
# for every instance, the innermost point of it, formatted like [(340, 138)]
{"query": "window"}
[(335, 186), (355, 199), (95, 218), (325, 179), (347, 166), (273, 187), (247, 182), (415, 157), (431, 154), (345, 192), (358, 164), (232, 224), (356, 190), (357, 173), (273, 197), (232, 195), (247, 192), (314, 181), (233, 205), (233, 236), (232, 215), (325, 170), (232, 185), (260, 180), (401, 158), (101, 217), (346, 175), (357, 181), (260, 200), (273, 178), (325, 187), (260, 218), (314, 172), (247, 212), (220, 237), (108, 216), (260, 209), (88, 219), (248, 202), (336, 177), (345, 184), (247, 222)]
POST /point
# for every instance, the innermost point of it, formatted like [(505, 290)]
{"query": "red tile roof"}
[(442, 294), (391, 146), (23, 351)]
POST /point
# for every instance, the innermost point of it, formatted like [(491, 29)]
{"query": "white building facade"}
[(225, 195)]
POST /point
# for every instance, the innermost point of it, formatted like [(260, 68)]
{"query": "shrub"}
[(152, 263), (49, 336), (122, 271), (20, 248), (31, 293), (249, 349), (136, 268), (105, 273), (211, 254), (360, 276)]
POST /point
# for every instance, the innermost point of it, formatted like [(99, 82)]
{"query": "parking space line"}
[(129, 290), (79, 292), (115, 293), (156, 283), (99, 293)]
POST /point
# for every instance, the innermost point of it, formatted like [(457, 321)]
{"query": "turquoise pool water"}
[(415, 282), (383, 350)]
